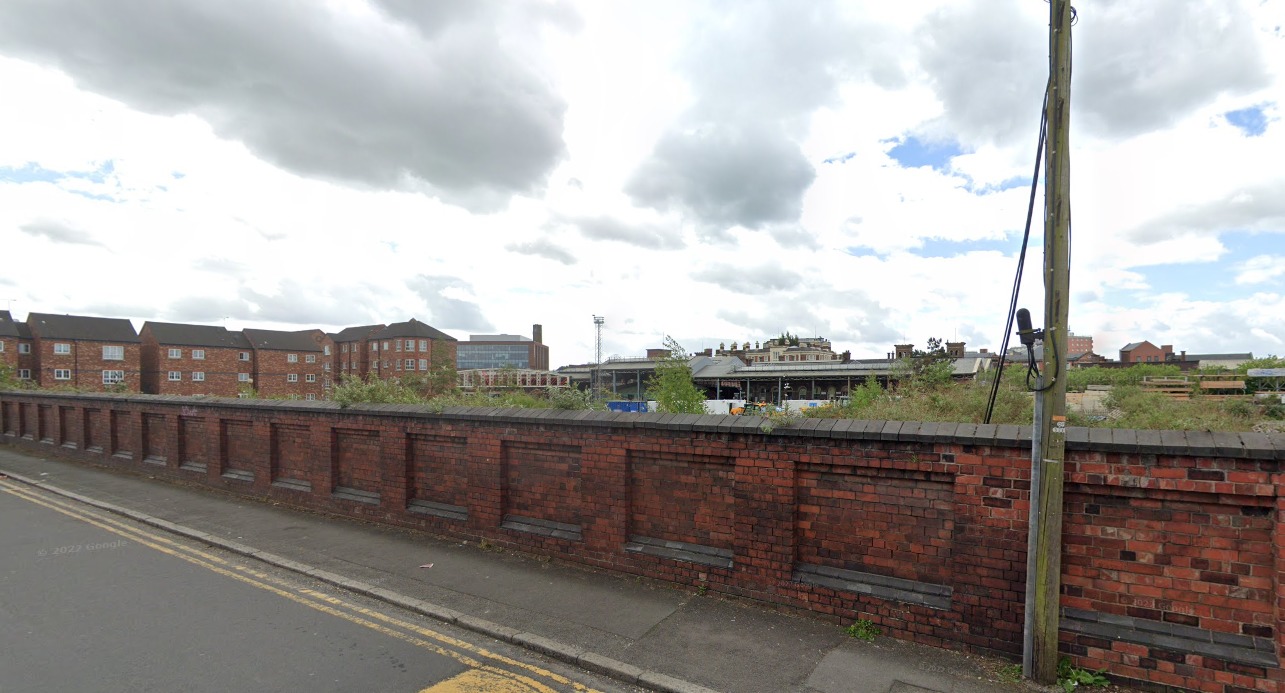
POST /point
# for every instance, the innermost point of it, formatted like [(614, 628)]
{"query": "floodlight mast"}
[(598, 321)]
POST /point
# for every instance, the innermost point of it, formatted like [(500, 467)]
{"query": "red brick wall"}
[(193, 442), (438, 469), (894, 523), (681, 497), (221, 367), (240, 447), (542, 481), (86, 363), (1173, 542), (438, 352), (9, 352), (273, 368), (292, 452), (12, 356), (355, 362), (357, 460)]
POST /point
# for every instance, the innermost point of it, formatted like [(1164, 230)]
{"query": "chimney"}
[(537, 334)]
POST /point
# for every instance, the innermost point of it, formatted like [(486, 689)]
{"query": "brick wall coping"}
[(1226, 444)]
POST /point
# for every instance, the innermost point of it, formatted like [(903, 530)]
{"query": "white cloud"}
[(1261, 269), (486, 166)]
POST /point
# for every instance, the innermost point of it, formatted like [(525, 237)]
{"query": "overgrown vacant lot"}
[(1127, 404)]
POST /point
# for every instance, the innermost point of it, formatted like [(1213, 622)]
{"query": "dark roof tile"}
[(212, 336), (83, 328), (356, 334), (276, 340), (412, 328), (8, 328)]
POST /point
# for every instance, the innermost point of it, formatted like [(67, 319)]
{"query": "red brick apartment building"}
[(15, 347), (181, 359), (409, 348), (84, 352), (352, 350), (290, 364), (1145, 352), (1078, 343)]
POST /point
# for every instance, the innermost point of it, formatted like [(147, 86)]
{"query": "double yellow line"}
[(487, 670)]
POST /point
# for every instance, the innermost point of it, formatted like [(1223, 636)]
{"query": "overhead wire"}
[(1032, 368), (1021, 258)]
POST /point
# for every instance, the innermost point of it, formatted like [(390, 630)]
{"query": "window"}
[(410, 345), (198, 354), (24, 374), (176, 376), (399, 345), (292, 378), (292, 358), (24, 348), (310, 397), (62, 374), (243, 356), (176, 353), (113, 353), (385, 346), (343, 348), (243, 377), (198, 376), (423, 345), (398, 363), (310, 358), (311, 377), (374, 346), (113, 377), (325, 366), (410, 364), (423, 364), (1, 346), (345, 365), (61, 348), (326, 350)]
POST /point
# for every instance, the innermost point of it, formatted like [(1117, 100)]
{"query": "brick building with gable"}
[(84, 352), (15, 347), (410, 348), (290, 364), (183, 359), (352, 350)]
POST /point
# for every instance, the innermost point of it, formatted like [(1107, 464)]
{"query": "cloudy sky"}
[(714, 171)]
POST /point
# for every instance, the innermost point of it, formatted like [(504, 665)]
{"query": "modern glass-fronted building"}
[(491, 351)]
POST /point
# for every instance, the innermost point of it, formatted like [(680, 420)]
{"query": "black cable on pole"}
[(1021, 260)]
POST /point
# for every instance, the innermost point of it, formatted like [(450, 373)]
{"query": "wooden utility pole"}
[(1047, 463)]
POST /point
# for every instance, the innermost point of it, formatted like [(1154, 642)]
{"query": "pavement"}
[(640, 632)]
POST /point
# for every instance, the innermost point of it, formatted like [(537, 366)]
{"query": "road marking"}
[(473, 681), (312, 599)]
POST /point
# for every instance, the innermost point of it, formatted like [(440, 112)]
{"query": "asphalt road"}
[(93, 602)]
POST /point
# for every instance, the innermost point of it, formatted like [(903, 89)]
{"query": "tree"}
[(671, 384), (7, 379), (931, 367)]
